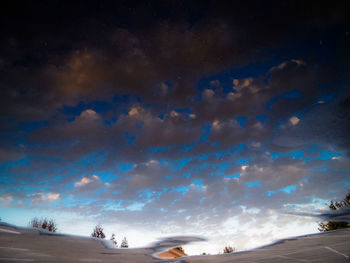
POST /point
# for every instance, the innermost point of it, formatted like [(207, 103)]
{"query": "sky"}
[(163, 118)]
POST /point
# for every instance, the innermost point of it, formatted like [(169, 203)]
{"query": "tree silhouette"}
[(114, 240), (124, 243), (333, 225), (98, 232), (181, 249), (228, 249)]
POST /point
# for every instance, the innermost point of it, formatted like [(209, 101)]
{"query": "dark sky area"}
[(211, 118)]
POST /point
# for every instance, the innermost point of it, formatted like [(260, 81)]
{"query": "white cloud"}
[(294, 120), (296, 61), (192, 116), (89, 115), (151, 163), (174, 114), (53, 196), (41, 197), (134, 111), (216, 124), (256, 144), (240, 84), (86, 180)]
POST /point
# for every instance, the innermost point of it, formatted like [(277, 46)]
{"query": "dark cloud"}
[(63, 62), (89, 133), (325, 124)]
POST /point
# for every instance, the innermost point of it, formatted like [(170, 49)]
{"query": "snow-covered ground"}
[(27, 244)]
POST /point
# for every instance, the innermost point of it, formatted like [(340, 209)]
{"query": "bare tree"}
[(336, 205), (98, 232), (44, 223), (229, 249), (124, 243), (114, 240), (51, 226), (35, 223)]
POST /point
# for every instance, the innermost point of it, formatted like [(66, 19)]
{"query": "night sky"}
[(163, 118)]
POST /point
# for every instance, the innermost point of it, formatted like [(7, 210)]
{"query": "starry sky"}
[(160, 118)]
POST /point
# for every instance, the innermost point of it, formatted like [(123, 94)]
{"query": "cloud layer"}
[(212, 121)]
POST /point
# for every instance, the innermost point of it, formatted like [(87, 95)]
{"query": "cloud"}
[(215, 83), (294, 120), (134, 111), (164, 88), (324, 124), (53, 196), (208, 94), (241, 84), (176, 118), (174, 114), (87, 180), (192, 116), (287, 63), (84, 181), (6, 198), (42, 198), (230, 132), (89, 115), (244, 167), (275, 175)]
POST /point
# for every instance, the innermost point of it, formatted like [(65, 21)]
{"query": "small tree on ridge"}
[(228, 250), (124, 243), (333, 225), (44, 223), (114, 240), (98, 232)]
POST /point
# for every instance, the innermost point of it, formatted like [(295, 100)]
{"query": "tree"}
[(98, 232), (181, 249), (229, 249), (35, 223), (114, 240), (51, 226), (44, 223), (336, 205), (124, 243)]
